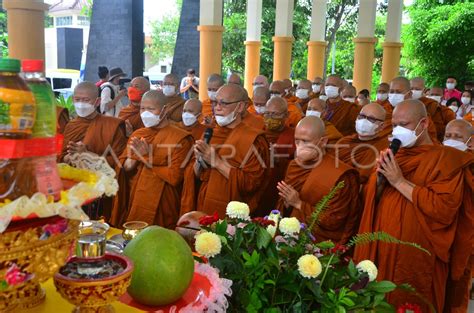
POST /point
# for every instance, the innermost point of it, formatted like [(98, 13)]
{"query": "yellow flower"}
[(271, 230), (236, 209), (289, 226), (309, 266), (208, 244), (368, 267)]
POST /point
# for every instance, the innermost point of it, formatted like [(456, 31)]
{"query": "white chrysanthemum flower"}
[(289, 226), (309, 266), (236, 209), (208, 244), (368, 267)]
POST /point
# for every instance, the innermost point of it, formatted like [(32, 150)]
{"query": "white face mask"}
[(395, 98), (259, 109), (225, 120), (323, 97), (188, 118), (149, 119), (302, 93), (407, 136), (331, 91), (169, 90), (313, 113), (444, 102), (365, 127), (316, 88), (453, 108), (417, 94), (456, 144), (465, 100), (212, 95), (351, 100), (83, 109), (273, 95), (435, 98), (382, 96), (450, 86), (256, 86)]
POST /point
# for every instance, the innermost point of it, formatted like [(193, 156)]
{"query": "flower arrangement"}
[(276, 265)]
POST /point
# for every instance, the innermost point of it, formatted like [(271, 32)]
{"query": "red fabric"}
[(454, 93), (25, 148)]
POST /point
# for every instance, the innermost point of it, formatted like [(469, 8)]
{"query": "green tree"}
[(439, 41), (3, 35), (163, 35)]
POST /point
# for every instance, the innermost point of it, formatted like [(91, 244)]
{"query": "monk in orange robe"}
[(233, 166), (277, 89), (260, 81), (436, 93), (433, 108), (62, 115), (459, 135), (304, 94), (252, 120), (282, 150), (317, 107), (349, 94), (260, 97), (191, 112), (131, 113), (418, 202), (289, 91), (340, 113), (382, 99), (126, 176), (214, 82), (156, 193), (310, 176), (90, 131), (96, 133), (469, 117), (174, 102), (317, 86), (362, 149)]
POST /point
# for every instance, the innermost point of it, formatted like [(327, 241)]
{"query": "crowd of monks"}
[(285, 147)]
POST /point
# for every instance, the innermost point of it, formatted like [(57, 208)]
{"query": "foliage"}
[(66, 103), (87, 9), (3, 35), (439, 40), (266, 271), (163, 36)]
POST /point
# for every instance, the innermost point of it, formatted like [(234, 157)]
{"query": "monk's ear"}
[(425, 123), (324, 141), (409, 95)]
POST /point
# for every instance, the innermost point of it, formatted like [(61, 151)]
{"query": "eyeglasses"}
[(224, 103), (274, 114), (369, 118)]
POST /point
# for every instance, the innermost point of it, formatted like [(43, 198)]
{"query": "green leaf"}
[(382, 286), (263, 238), (325, 245), (347, 301), (221, 228)]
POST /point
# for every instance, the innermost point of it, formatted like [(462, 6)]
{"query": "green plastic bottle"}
[(45, 123)]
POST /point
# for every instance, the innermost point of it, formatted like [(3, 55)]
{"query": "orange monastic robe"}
[(331, 132), (174, 108), (468, 117), (430, 220), (438, 115), (206, 110), (339, 221), (157, 191), (126, 180), (196, 130), (62, 115), (254, 120), (132, 113), (362, 155), (388, 110), (294, 112), (342, 114), (246, 151), (102, 134), (282, 151)]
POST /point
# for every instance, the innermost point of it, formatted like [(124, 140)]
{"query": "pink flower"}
[(230, 230), (14, 276)]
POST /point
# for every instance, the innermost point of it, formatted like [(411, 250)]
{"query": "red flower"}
[(263, 222), (338, 249), (14, 276), (409, 307), (58, 228), (209, 219)]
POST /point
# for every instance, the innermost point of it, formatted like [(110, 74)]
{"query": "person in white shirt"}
[(110, 93)]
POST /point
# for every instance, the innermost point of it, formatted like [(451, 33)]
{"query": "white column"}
[(366, 22), (210, 12), (254, 20), (318, 21), (394, 20), (284, 18)]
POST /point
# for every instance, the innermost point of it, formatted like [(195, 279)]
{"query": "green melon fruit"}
[(164, 266)]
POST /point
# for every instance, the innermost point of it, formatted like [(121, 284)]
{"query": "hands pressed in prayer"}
[(140, 146), (289, 194), (76, 147), (205, 152), (128, 128), (388, 166)]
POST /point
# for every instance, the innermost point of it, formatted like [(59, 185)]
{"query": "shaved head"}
[(156, 97), (317, 105), (348, 92), (317, 80), (383, 88), (287, 83), (304, 84), (277, 104), (86, 92), (140, 83), (374, 110), (417, 83), (214, 82), (334, 80), (312, 126), (193, 106), (436, 91), (411, 115), (171, 78), (277, 86), (261, 95), (88, 87), (261, 80), (414, 108), (400, 85), (460, 130), (232, 92), (234, 78)]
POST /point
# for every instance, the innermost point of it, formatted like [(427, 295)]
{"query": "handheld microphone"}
[(207, 139), (394, 146)]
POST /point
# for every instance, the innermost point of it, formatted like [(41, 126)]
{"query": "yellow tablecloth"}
[(54, 303)]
